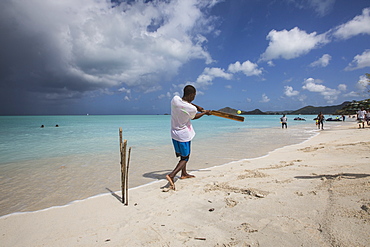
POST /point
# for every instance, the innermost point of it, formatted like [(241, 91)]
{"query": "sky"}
[(131, 57)]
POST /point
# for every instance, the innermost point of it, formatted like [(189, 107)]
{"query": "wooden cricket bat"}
[(227, 115)]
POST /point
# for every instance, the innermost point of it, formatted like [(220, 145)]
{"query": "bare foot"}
[(170, 180), (187, 176)]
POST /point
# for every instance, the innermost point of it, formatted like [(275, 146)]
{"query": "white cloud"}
[(352, 94), (248, 68), (178, 94), (291, 44), (209, 74), (270, 63), (288, 80), (360, 61), (290, 92), (358, 25), (342, 87), (264, 99), (124, 90), (127, 91), (311, 85), (167, 95), (330, 95), (203, 81), (302, 97), (322, 7), (88, 44), (151, 89), (363, 84), (217, 72), (322, 62)]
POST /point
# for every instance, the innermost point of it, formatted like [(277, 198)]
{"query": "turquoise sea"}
[(52, 166), (22, 138)]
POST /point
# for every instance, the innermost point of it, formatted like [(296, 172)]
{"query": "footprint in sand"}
[(230, 202), (247, 228), (282, 164), (185, 235), (252, 174), (310, 149)]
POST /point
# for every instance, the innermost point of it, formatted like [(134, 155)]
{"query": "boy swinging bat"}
[(182, 132)]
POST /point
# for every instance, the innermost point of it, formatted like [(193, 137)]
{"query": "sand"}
[(316, 193)]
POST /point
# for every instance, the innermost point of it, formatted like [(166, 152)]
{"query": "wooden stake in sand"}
[(126, 177), (124, 167)]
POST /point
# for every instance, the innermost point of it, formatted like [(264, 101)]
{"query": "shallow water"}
[(51, 166)]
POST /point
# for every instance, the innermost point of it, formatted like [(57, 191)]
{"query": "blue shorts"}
[(182, 149)]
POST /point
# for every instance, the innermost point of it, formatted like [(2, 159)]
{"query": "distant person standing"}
[(284, 121), (320, 121), (361, 116), (343, 118), (368, 117)]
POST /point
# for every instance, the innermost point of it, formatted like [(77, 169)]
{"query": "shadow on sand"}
[(157, 174), (114, 194), (341, 175)]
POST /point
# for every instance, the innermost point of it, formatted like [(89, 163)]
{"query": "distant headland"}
[(346, 108)]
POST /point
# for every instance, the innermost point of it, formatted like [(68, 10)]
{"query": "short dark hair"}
[(189, 89)]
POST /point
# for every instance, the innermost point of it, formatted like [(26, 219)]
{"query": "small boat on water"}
[(333, 119)]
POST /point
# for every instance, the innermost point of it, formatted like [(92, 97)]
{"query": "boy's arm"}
[(201, 114), (199, 109)]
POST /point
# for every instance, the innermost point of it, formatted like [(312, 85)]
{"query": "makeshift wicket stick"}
[(124, 168)]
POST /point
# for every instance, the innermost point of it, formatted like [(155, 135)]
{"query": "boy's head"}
[(189, 93)]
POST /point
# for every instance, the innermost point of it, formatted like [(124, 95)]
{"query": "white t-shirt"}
[(361, 114), (181, 114)]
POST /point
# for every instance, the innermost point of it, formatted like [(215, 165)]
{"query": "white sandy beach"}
[(316, 193)]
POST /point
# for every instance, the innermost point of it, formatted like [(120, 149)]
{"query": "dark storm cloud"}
[(54, 50)]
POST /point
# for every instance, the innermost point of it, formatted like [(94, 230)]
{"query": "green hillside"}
[(353, 107), (346, 108)]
